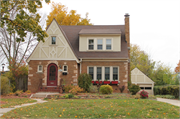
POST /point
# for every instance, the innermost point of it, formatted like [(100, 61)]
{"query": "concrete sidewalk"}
[(4, 110), (170, 101)]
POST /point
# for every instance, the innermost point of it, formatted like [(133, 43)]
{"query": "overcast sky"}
[(154, 24)]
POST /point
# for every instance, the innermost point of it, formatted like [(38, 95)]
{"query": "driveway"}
[(170, 101)]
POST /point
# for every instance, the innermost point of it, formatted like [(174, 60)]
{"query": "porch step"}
[(49, 89), (43, 94)]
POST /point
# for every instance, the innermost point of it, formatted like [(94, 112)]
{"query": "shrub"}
[(121, 88), (5, 88), (93, 89), (137, 96), (106, 89), (84, 81), (167, 90), (68, 96), (166, 96), (28, 91), (67, 88), (134, 89), (144, 94), (18, 92), (75, 90)]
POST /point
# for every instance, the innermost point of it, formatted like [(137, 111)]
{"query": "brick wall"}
[(34, 77), (123, 71)]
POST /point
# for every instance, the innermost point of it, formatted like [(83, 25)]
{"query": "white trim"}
[(40, 71), (143, 82), (67, 68), (103, 43), (103, 72), (51, 39)]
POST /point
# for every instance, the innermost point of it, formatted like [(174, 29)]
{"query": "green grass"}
[(11, 102), (97, 108)]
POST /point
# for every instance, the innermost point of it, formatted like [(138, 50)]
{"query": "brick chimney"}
[(127, 37)]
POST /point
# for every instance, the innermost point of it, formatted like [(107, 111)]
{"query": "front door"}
[(52, 75)]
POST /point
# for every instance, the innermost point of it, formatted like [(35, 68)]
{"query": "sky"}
[(154, 24)]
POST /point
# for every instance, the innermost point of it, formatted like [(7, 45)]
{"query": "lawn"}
[(97, 108), (11, 102)]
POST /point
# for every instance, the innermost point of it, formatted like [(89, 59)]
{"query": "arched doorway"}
[(52, 75)]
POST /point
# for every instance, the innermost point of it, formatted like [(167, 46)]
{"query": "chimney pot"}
[(126, 15)]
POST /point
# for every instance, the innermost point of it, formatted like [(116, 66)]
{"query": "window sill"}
[(39, 72)]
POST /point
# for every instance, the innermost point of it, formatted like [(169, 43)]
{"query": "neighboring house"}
[(102, 51), (144, 82)]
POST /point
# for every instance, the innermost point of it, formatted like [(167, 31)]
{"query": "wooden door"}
[(52, 75)]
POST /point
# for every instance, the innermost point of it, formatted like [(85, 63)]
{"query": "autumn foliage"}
[(177, 69), (59, 12)]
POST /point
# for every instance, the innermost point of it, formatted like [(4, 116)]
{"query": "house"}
[(144, 82), (103, 51)]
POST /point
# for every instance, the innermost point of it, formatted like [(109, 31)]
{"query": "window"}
[(65, 68), (147, 88), (99, 73), (99, 44), (107, 73), (91, 44), (91, 72), (115, 73), (53, 40), (142, 88), (40, 68), (108, 44)]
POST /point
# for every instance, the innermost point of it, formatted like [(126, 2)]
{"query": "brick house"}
[(103, 51)]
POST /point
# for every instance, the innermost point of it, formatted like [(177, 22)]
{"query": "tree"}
[(177, 69), (141, 60), (25, 20), (157, 71), (13, 50), (59, 12)]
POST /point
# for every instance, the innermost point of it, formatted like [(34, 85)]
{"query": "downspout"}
[(80, 65)]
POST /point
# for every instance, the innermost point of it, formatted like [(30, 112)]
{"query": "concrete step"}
[(43, 94)]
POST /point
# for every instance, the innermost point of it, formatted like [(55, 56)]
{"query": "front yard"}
[(97, 108), (11, 102)]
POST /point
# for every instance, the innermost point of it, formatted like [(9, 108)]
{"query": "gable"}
[(48, 51), (138, 77)]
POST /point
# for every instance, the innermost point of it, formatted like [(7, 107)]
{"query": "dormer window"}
[(108, 44), (99, 44), (53, 41), (91, 44)]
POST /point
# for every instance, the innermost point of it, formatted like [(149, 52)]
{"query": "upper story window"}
[(99, 44), (53, 41), (108, 44), (91, 44)]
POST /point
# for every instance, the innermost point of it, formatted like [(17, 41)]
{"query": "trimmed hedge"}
[(167, 90)]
